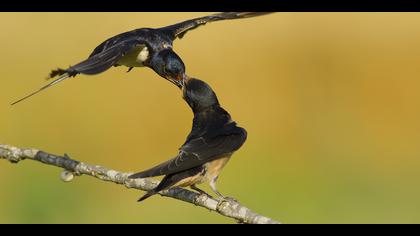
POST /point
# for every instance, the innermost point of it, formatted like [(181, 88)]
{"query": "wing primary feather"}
[(180, 29)]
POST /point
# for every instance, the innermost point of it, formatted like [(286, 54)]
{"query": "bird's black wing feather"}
[(101, 61), (198, 152), (180, 29), (126, 36)]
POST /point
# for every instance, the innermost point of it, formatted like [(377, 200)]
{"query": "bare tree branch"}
[(229, 209)]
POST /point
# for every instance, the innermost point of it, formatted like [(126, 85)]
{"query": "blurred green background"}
[(331, 103)]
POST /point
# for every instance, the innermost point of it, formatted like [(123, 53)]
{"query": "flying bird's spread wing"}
[(117, 39), (101, 61), (198, 152), (95, 64), (180, 29)]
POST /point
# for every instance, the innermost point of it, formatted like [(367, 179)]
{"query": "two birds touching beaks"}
[(214, 136)]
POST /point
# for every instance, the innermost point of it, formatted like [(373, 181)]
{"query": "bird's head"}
[(170, 66), (199, 95)]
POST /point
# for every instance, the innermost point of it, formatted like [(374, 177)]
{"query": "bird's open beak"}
[(180, 80)]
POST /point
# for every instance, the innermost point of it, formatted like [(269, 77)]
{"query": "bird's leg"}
[(129, 69), (199, 190), (213, 187), (221, 197)]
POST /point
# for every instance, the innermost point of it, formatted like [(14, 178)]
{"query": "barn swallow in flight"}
[(144, 47), (209, 146)]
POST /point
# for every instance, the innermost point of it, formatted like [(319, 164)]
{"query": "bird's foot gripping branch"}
[(72, 167)]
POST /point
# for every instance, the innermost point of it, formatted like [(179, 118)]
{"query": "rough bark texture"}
[(230, 209)]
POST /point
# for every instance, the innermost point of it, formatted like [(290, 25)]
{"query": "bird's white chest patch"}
[(136, 57), (143, 55)]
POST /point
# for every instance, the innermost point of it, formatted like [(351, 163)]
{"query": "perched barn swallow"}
[(144, 47), (209, 146)]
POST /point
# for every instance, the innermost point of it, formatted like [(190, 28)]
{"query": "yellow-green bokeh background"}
[(330, 100)]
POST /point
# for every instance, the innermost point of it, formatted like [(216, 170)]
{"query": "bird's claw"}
[(205, 194), (228, 199), (201, 197)]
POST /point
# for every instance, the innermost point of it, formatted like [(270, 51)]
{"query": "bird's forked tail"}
[(63, 75)]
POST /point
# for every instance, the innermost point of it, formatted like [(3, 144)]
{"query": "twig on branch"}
[(72, 167)]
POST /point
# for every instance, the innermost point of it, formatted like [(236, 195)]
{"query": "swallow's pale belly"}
[(136, 57), (211, 171)]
